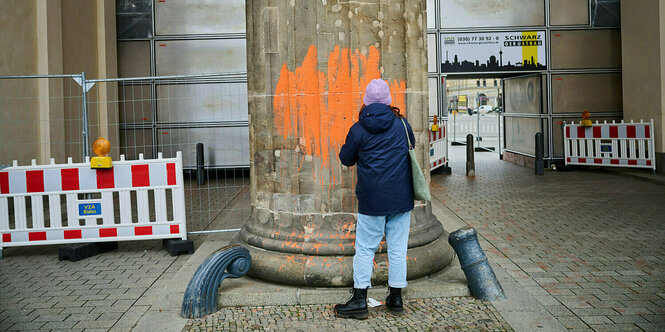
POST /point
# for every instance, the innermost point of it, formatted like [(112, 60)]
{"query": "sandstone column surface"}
[(308, 64)]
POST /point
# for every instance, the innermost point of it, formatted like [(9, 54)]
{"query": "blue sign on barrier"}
[(605, 148), (90, 209)]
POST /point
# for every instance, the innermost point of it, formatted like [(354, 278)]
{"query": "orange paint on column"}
[(319, 108)]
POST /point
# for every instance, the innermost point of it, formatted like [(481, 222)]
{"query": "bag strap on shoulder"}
[(407, 134)]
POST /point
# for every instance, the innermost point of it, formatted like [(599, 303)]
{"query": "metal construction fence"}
[(41, 117), (487, 130), (479, 126), (58, 116)]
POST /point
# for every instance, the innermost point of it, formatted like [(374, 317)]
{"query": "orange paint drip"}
[(319, 108)]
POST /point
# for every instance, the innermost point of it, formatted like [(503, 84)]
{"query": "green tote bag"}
[(420, 185)]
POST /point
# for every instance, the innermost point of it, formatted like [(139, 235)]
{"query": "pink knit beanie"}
[(377, 91)]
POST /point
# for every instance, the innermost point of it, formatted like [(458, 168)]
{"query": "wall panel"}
[(575, 93), (180, 57), (586, 49), (569, 12), (183, 17), (484, 13), (523, 95), (520, 134), (222, 146), (134, 59), (202, 102)]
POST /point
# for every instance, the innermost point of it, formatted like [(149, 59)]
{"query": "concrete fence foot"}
[(79, 251)]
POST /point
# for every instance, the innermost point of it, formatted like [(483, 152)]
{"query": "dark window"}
[(134, 19), (605, 13)]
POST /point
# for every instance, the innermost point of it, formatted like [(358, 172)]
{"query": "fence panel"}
[(461, 125), (40, 118), (151, 115)]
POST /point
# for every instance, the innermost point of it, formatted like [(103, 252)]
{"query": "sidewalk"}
[(577, 250), (588, 245)]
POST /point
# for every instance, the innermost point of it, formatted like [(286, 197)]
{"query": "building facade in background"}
[(553, 59)]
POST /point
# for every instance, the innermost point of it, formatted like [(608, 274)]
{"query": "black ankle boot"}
[(356, 307), (394, 301)]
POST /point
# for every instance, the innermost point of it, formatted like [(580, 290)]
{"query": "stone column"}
[(308, 64), (643, 42)]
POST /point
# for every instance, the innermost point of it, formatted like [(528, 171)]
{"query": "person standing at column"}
[(377, 144)]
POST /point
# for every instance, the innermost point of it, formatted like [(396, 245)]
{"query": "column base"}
[(337, 271)]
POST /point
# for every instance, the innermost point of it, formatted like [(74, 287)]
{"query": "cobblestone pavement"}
[(450, 314), (37, 291), (107, 291), (588, 245)]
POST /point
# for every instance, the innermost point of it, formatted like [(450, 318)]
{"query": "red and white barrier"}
[(438, 147), (610, 144), (89, 219)]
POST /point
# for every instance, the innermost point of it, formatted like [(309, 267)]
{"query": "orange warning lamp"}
[(101, 148), (586, 119), (435, 126)]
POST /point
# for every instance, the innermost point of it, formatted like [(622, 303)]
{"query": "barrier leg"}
[(79, 251), (176, 247)]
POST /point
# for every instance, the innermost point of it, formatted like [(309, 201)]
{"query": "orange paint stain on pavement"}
[(319, 108)]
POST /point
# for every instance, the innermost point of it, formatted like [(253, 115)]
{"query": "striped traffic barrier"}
[(92, 197), (438, 147), (610, 144)]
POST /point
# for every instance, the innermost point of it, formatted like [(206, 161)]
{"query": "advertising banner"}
[(493, 51)]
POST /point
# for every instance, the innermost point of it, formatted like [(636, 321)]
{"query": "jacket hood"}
[(377, 118)]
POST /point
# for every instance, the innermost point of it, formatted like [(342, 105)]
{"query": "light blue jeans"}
[(369, 232)]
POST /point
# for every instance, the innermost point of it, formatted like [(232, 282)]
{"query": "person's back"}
[(384, 174)]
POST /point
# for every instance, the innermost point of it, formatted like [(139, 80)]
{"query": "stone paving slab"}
[(588, 244), (437, 314), (110, 291), (37, 291)]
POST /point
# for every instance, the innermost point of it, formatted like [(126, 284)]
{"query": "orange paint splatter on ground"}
[(319, 108)]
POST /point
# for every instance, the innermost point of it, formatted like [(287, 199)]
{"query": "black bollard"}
[(479, 274), (540, 163), (200, 174), (470, 163)]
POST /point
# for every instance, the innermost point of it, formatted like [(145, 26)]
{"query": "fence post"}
[(454, 129), (470, 163), (540, 163), (84, 112), (499, 122), (200, 174)]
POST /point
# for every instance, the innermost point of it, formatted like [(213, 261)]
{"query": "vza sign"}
[(90, 209)]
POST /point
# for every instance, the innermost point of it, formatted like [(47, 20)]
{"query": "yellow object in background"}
[(586, 119), (435, 126), (101, 148)]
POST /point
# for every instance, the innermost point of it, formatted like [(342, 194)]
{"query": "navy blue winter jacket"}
[(377, 143)]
